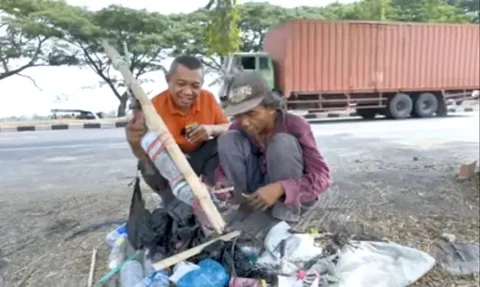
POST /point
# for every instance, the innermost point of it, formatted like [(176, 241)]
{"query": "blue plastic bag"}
[(210, 274)]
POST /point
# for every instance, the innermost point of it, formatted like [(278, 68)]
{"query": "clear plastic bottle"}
[(157, 279), (153, 145), (117, 254), (131, 274), (113, 235)]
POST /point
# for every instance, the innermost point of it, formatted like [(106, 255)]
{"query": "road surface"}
[(64, 160)]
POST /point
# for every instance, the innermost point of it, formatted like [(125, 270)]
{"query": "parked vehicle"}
[(75, 114), (393, 69)]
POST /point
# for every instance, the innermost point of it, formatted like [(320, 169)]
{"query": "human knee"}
[(229, 141), (284, 146)]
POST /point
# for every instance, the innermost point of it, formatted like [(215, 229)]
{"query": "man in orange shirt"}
[(194, 119)]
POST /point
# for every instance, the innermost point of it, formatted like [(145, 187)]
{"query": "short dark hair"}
[(190, 62)]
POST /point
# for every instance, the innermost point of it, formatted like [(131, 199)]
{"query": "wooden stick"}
[(92, 268), (172, 260), (155, 124)]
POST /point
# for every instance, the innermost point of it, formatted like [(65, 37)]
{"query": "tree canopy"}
[(26, 37), (52, 33)]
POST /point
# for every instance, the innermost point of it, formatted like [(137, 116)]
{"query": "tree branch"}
[(141, 69), (100, 71), (31, 63), (31, 79)]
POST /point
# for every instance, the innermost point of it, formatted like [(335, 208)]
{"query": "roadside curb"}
[(122, 124), (329, 115), (316, 116), (461, 110), (59, 127)]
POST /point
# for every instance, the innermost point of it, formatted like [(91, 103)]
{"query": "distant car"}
[(75, 114)]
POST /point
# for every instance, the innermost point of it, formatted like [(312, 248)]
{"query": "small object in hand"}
[(189, 128)]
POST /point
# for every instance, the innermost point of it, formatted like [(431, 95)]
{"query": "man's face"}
[(255, 121), (185, 86)]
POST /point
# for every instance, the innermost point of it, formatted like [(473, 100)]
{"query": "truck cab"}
[(260, 62)]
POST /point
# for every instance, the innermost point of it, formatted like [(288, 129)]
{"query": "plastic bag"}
[(210, 274), (181, 269)]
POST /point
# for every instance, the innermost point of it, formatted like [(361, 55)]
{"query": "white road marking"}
[(60, 159), (18, 138), (74, 146)]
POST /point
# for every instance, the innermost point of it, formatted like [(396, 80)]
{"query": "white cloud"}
[(20, 97)]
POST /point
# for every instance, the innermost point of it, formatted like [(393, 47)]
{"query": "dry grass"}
[(57, 122), (421, 232)]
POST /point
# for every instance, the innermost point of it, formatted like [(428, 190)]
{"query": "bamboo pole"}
[(155, 124), (174, 259)]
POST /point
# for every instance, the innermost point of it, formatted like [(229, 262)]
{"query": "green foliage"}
[(222, 33), (436, 11), (145, 34), (255, 20), (51, 32), (188, 37), (28, 39)]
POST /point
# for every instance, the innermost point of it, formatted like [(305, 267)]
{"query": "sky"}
[(78, 88)]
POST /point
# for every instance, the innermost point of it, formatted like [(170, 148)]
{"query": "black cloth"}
[(166, 231), (234, 260), (204, 160)]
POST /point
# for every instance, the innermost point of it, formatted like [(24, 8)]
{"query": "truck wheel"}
[(426, 105), (399, 106), (366, 114)]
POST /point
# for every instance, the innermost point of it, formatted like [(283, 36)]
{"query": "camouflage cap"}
[(248, 89)]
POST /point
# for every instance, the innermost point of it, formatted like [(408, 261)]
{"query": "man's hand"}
[(134, 132), (198, 134), (265, 196)]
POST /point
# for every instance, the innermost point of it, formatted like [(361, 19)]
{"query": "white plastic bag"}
[(298, 249), (381, 264)]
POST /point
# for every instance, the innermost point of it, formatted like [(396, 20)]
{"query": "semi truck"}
[(398, 70)]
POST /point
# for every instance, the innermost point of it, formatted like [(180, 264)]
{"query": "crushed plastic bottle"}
[(113, 235), (131, 274), (154, 146), (117, 254), (157, 279)]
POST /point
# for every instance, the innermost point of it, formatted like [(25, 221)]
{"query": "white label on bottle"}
[(151, 143)]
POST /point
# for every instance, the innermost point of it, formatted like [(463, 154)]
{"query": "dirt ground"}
[(408, 194)]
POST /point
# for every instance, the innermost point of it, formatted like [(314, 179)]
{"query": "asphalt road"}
[(59, 160)]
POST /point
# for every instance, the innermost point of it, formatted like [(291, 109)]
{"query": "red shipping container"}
[(355, 57)]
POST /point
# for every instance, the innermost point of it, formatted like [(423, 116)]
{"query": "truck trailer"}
[(375, 68)]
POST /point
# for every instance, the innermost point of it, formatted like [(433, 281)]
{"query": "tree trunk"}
[(122, 107)]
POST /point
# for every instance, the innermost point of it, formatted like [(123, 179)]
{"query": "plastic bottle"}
[(240, 282), (154, 147), (157, 279), (113, 235), (117, 254), (131, 274), (148, 267)]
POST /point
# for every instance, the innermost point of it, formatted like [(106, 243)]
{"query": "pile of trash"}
[(285, 258)]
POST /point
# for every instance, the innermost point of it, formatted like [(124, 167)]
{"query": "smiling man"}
[(194, 119), (269, 155)]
